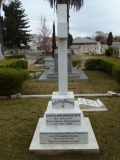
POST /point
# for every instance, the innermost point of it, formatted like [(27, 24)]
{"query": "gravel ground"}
[(30, 62)]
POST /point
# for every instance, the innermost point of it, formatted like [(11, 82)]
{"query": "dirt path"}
[(30, 62)]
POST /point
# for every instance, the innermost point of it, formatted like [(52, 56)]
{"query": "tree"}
[(109, 39), (76, 4), (53, 40), (0, 24), (109, 51), (117, 38), (101, 36), (15, 25), (1, 37), (44, 32), (70, 40)]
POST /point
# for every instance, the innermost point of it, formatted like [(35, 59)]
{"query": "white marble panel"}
[(62, 66), (63, 119), (62, 12), (62, 116), (63, 101), (63, 134), (62, 29)]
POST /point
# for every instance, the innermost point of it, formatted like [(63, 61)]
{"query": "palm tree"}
[(76, 4)]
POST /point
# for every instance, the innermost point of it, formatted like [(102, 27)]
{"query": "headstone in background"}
[(1, 55), (98, 48), (69, 59)]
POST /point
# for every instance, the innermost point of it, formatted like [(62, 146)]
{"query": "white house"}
[(86, 45)]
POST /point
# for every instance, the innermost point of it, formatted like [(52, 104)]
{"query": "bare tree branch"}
[(43, 31)]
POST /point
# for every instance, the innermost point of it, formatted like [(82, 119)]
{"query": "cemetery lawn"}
[(19, 117)]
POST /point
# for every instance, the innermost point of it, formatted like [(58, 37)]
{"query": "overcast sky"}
[(95, 15)]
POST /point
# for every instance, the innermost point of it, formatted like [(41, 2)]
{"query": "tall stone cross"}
[(62, 34)]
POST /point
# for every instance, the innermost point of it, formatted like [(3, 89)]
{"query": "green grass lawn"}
[(19, 117)]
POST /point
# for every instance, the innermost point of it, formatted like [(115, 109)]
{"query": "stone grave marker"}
[(1, 55), (91, 105), (63, 121)]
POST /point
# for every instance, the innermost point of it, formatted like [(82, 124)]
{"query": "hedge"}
[(15, 56), (109, 65), (92, 63), (14, 63), (76, 63), (11, 80), (116, 73)]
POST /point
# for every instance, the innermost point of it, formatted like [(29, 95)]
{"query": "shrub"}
[(15, 56), (92, 63), (11, 80), (107, 64), (76, 63), (14, 63), (116, 73), (40, 60), (109, 51)]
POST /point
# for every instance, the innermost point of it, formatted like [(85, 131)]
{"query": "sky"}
[(95, 15)]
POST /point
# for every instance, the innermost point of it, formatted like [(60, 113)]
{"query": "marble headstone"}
[(1, 55)]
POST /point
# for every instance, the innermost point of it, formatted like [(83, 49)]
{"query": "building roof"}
[(115, 43), (83, 40)]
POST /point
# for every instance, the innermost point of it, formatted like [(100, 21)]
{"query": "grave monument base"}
[(57, 149), (64, 129), (76, 76)]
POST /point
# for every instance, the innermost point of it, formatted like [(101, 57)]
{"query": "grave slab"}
[(91, 105)]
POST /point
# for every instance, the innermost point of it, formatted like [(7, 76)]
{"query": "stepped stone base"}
[(63, 129), (57, 149), (51, 76)]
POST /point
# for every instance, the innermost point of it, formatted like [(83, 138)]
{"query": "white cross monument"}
[(63, 121)]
